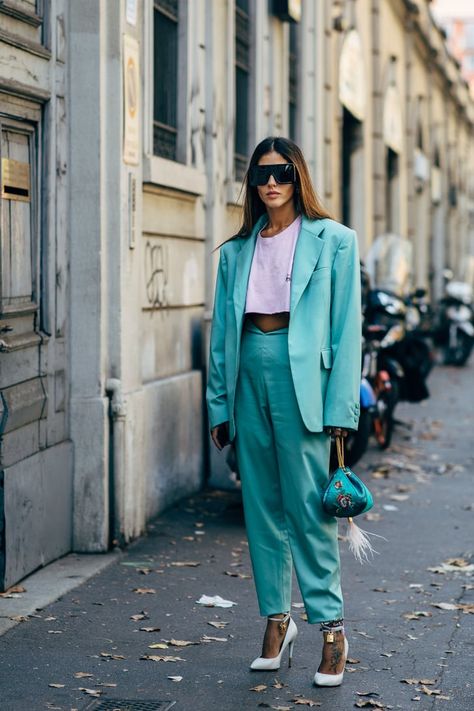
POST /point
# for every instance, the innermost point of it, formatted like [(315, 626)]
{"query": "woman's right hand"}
[(220, 435)]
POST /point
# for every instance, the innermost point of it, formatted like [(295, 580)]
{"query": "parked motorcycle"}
[(454, 325), (393, 323)]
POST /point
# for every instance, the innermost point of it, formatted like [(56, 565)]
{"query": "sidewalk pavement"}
[(409, 614)]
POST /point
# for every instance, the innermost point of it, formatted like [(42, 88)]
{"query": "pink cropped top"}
[(268, 290)]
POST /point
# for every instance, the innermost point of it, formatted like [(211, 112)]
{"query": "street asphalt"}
[(406, 652)]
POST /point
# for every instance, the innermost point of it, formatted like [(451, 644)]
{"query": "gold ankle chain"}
[(282, 622)]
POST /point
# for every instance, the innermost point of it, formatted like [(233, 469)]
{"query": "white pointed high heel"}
[(272, 663), (332, 679)]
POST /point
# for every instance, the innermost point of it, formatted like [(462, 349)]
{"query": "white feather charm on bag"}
[(359, 542)]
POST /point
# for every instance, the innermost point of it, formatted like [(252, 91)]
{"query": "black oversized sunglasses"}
[(282, 172)]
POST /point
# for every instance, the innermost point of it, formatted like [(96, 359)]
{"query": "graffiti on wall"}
[(156, 275)]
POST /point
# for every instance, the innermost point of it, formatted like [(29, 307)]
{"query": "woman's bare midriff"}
[(270, 322)]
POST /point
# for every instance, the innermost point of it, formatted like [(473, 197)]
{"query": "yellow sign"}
[(15, 180), (131, 93)]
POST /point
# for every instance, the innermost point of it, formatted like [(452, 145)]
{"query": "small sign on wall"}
[(131, 12), (15, 180), (352, 89), (131, 93)]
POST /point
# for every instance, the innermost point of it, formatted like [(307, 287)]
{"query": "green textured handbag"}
[(346, 495)]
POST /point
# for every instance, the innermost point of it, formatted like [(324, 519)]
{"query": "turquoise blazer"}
[(324, 335)]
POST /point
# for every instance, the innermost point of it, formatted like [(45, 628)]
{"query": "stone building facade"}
[(131, 122)]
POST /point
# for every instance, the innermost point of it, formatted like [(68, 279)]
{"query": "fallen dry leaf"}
[(371, 703), (179, 642), (218, 625), (235, 574), (175, 678), (109, 655), (82, 675), (19, 618), (417, 614), (91, 692), (185, 563), (158, 645), (428, 692), (161, 658), (259, 688), (305, 702), (367, 693), (57, 686), (279, 684), (351, 660), (467, 608), (206, 638), (451, 568), (105, 683), (15, 590), (140, 616), (427, 682), (150, 629), (281, 708), (457, 562), (145, 591)]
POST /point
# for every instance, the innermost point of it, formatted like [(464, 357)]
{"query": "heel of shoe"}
[(290, 652)]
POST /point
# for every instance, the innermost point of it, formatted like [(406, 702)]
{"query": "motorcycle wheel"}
[(355, 444), (383, 421), (460, 353)]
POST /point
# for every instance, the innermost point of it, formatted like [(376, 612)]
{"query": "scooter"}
[(454, 328)]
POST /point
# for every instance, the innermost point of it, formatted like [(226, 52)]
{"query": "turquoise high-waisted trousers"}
[(284, 470)]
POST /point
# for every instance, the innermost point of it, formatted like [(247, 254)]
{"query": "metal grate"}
[(164, 140), (129, 705)]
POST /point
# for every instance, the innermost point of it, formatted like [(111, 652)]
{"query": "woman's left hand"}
[(337, 431)]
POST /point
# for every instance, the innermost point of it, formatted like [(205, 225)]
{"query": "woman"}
[(284, 375)]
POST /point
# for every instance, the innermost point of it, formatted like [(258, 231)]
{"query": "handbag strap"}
[(340, 451)]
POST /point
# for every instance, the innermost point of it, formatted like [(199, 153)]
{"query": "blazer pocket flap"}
[(326, 357)]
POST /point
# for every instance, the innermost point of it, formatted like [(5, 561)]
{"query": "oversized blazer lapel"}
[(242, 270), (307, 253)]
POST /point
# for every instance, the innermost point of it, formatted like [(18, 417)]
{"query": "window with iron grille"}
[(166, 80), (293, 81), (242, 87)]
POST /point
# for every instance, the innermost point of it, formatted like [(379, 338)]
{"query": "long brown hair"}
[(306, 201)]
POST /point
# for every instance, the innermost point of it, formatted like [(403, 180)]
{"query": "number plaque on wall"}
[(15, 180)]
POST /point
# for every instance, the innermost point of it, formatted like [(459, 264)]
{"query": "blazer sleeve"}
[(216, 391), (341, 407)]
